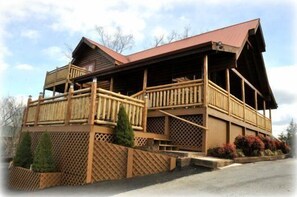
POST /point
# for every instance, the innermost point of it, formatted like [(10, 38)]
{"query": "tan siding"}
[(217, 132), (235, 131)]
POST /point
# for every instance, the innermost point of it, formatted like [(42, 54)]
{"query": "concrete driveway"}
[(268, 178)]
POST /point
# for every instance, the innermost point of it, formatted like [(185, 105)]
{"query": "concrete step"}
[(186, 153), (211, 162)]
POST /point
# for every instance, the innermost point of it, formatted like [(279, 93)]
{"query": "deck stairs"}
[(162, 145)]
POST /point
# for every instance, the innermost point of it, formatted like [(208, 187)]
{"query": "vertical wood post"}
[(243, 97), (144, 113), (90, 154), (111, 84), (144, 85), (264, 113), (256, 107), (228, 89), (228, 132), (172, 163), (92, 131), (270, 119), (38, 109), (205, 81), (69, 102), (166, 129), (25, 118), (93, 101), (205, 103), (243, 131), (129, 162)]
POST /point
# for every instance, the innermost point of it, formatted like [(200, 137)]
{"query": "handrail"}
[(100, 90), (173, 84)]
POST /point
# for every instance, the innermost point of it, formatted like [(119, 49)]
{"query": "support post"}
[(166, 129), (264, 112), (27, 111), (69, 102), (144, 115), (111, 84), (228, 132), (93, 101), (144, 85), (205, 103), (228, 89), (38, 109), (129, 162), (243, 97), (205, 81), (256, 107)]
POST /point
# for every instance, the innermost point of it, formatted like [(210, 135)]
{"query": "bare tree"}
[(68, 51), (118, 42), (171, 37), (11, 115)]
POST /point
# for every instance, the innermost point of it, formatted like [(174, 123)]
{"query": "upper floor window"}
[(89, 67)]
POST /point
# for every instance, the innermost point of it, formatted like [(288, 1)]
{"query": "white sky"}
[(33, 34)]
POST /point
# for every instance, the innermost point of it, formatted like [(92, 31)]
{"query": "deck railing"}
[(219, 100), (75, 107), (183, 94), (59, 75), (78, 106)]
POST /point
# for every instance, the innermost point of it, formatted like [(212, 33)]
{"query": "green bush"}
[(124, 134), (43, 158), (23, 157)]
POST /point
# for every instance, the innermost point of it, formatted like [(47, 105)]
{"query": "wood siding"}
[(102, 61)]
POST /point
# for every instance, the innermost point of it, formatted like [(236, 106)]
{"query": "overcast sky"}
[(33, 34)]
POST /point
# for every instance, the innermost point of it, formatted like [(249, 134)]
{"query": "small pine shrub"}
[(250, 145), (23, 157), (124, 134), (43, 158), (227, 151)]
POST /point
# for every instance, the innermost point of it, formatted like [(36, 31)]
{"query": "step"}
[(181, 153), (211, 162), (167, 147)]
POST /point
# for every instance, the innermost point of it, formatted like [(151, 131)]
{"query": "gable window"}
[(90, 66)]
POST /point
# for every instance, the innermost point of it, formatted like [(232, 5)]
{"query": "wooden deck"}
[(100, 107), (62, 76)]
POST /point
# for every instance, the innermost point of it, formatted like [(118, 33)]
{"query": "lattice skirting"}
[(186, 135), (156, 125), (112, 161), (70, 152), (105, 137)]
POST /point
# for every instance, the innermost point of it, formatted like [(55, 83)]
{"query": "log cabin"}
[(191, 94)]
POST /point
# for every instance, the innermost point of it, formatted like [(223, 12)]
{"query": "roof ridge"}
[(257, 19)]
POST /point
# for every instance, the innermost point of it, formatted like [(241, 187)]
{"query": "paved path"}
[(268, 178)]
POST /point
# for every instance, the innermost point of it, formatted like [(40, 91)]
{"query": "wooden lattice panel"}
[(23, 179), (145, 163), (156, 125), (184, 134), (104, 137), (140, 141), (49, 180), (109, 161), (70, 153)]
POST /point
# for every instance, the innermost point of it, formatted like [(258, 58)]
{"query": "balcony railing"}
[(63, 74)]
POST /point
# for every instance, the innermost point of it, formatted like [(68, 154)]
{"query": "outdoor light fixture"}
[(219, 45)]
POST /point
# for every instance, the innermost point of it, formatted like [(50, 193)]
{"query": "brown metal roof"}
[(234, 35)]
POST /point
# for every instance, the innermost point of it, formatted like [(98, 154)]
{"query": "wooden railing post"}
[(205, 81), (38, 109), (69, 109), (264, 113), (256, 107), (25, 117), (144, 116), (129, 162), (93, 101)]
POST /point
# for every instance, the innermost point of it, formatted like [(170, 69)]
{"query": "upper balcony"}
[(59, 79)]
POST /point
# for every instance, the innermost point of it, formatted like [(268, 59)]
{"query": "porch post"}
[(144, 85), (27, 111), (68, 111), (264, 112), (256, 107), (38, 109), (144, 113), (111, 84), (243, 97), (205, 102), (92, 131), (228, 89)]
